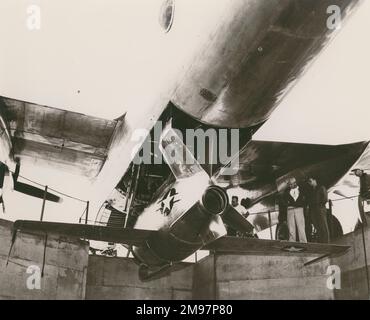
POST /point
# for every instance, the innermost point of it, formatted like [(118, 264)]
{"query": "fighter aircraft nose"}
[(215, 200)]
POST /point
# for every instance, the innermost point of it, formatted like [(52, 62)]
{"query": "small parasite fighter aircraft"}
[(191, 212), (244, 58)]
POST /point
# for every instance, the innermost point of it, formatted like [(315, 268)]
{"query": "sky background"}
[(89, 56)]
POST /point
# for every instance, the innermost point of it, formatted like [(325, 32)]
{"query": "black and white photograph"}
[(187, 150)]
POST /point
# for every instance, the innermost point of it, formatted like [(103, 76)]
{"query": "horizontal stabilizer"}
[(92, 232)]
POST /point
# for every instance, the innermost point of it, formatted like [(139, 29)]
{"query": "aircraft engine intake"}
[(215, 200)]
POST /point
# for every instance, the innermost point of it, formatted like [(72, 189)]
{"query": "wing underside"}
[(258, 246), (231, 245), (262, 162), (67, 140), (133, 237), (265, 166)]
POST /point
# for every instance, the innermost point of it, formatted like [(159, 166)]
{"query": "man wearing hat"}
[(364, 191)]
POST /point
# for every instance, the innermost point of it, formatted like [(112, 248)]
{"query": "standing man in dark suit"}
[(293, 201), (364, 192), (317, 200)]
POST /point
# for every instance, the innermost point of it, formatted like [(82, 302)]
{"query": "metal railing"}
[(48, 188)]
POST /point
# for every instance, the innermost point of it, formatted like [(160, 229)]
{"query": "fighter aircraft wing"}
[(255, 246), (59, 138), (92, 232)]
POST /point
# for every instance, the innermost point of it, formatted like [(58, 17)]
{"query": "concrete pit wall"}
[(117, 278), (70, 273), (249, 277), (285, 277), (353, 266), (65, 266)]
